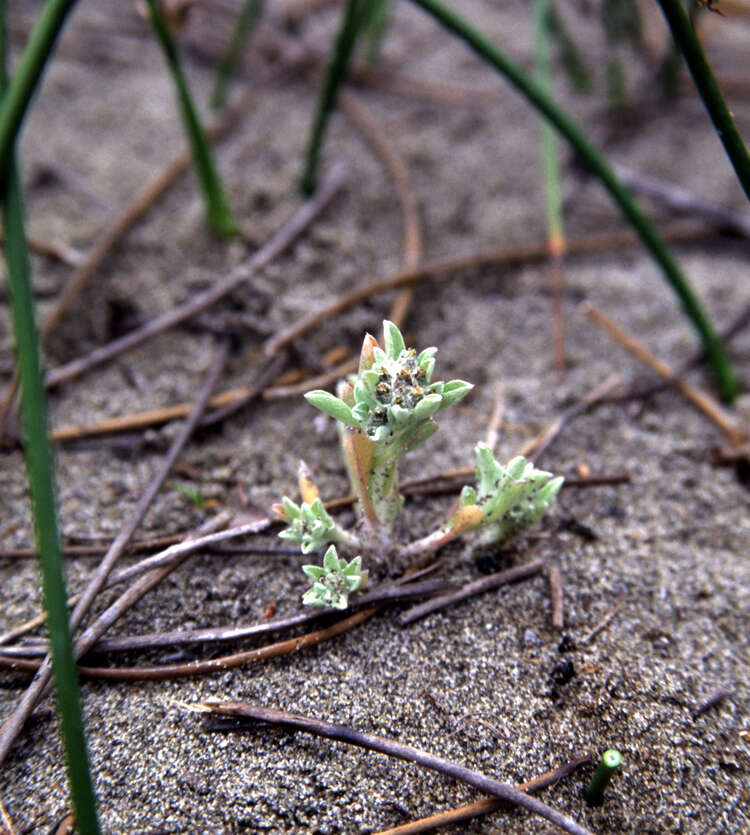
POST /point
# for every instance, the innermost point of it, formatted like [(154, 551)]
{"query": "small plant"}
[(384, 411)]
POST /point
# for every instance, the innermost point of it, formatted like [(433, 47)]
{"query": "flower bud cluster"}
[(392, 397), (334, 581), (309, 524)]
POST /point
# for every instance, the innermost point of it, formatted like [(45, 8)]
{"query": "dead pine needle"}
[(494, 424), (493, 581), (381, 596), (228, 662), (703, 401), (536, 446), (390, 748), (453, 817), (554, 578)]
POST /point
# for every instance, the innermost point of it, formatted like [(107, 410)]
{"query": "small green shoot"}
[(610, 762), (195, 495)]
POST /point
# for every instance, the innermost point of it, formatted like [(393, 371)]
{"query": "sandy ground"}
[(472, 684)]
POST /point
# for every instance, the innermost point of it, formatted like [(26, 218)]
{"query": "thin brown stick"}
[(95, 550), (557, 290), (186, 545), (554, 578), (263, 378), (736, 326), (64, 253), (492, 581), (144, 199), (396, 83), (219, 634), (703, 401), (151, 417), (453, 817), (5, 817), (536, 446), (412, 228), (15, 722), (227, 662), (510, 255), (684, 200), (281, 240), (390, 748), (497, 416), (602, 625)]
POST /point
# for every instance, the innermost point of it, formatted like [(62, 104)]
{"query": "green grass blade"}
[(569, 129), (39, 468), (28, 72), (374, 24), (218, 211), (248, 16), (550, 163), (346, 39), (705, 81)]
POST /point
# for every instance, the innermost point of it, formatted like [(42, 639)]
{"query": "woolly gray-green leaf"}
[(393, 340), (332, 406)]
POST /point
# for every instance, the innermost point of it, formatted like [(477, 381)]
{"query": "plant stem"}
[(248, 16), (218, 211), (568, 127), (26, 77), (726, 128), (334, 76), (39, 468)]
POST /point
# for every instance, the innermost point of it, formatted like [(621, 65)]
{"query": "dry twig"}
[(390, 748), (218, 634), (703, 401), (554, 578), (492, 581), (603, 624), (402, 181), (453, 817), (5, 817)]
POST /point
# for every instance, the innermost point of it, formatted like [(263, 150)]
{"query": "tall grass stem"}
[(41, 485), (218, 212), (27, 74), (229, 62), (346, 39), (708, 88), (569, 129), (550, 162)]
